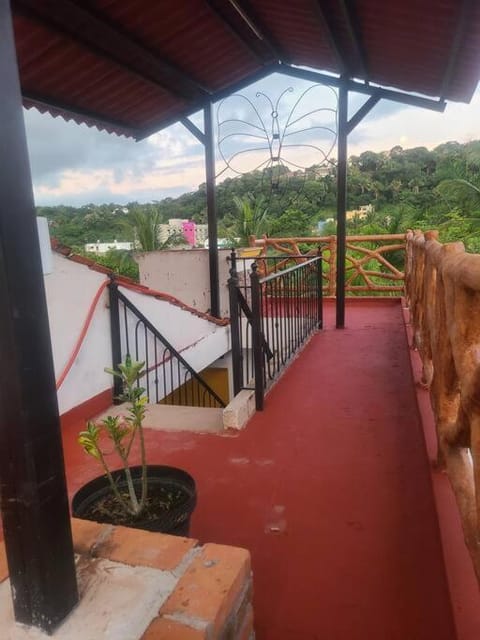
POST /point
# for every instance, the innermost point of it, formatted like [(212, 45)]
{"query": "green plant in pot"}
[(152, 497)]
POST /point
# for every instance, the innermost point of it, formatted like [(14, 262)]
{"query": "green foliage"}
[(291, 223), (408, 188), (122, 433), (251, 217), (117, 260), (146, 228)]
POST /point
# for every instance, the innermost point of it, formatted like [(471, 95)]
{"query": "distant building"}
[(222, 243), (172, 228), (201, 234), (194, 234), (188, 230), (317, 172), (105, 247), (360, 213)]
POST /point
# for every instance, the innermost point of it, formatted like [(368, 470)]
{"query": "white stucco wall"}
[(199, 341), (71, 288), (185, 275)]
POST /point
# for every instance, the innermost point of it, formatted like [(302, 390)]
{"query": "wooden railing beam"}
[(357, 256)]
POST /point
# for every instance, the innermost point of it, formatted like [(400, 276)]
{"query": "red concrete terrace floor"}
[(329, 488)]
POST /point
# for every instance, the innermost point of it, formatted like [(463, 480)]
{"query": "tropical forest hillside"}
[(407, 187)]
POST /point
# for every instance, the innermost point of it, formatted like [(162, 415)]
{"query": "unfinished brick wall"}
[(212, 596)]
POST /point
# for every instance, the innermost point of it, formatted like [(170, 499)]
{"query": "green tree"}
[(251, 217), (146, 228), (291, 223), (119, 261)]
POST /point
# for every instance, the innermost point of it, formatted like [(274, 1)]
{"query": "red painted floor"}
[(330, 490)]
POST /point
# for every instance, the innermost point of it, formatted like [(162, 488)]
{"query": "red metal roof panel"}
[(130, 65), (188, 33)]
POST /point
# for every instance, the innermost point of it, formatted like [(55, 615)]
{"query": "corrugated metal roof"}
[(133, 66)]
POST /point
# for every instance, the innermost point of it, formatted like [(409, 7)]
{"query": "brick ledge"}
[(212, 596)]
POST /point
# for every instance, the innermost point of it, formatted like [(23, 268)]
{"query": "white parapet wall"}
[(71, 288), (185, 274), (198, 340)]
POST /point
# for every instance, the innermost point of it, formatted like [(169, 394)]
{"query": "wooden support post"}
[(33, 490), (211, 210), (341, 201)]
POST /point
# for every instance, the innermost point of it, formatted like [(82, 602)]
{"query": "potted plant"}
[(152, 497)]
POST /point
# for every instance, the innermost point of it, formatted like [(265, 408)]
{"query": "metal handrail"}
[(284, 272), (172, 372), (271, 318)]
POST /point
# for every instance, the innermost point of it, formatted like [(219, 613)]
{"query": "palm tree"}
[(146, 229), (252, 216), (459, 191), (462, 220)]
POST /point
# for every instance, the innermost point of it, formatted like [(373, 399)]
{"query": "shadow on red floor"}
[(329, 488)]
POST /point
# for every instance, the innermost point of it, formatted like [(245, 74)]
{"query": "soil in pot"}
[(170, 503)]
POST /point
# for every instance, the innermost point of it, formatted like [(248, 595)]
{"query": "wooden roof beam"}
[(353, 27), (245, 9), (263, 72), (463, 21), (109, 41), (240, 30), (327, 26), (362, 87)]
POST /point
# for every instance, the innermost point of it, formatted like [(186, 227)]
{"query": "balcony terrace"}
[(332, 490), (352, 532)]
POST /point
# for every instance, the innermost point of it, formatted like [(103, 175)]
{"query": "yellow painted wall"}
[(217, 379)]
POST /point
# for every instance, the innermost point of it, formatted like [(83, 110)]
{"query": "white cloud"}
[(413, 127), (76, 165)]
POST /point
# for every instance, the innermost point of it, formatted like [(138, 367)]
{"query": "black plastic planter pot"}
[(175, 521)]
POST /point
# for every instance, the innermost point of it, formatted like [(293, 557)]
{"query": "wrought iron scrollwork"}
[(253, 136)]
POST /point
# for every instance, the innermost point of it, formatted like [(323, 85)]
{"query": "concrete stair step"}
[(163, 417)]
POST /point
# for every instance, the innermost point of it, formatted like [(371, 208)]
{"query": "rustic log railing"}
[(373, 264), (443, 293)]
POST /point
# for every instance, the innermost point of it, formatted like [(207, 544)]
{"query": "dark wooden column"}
[(341, 200), (32, 479), (211, 210)]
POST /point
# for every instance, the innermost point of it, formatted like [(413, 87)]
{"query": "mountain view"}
[(406, 188)]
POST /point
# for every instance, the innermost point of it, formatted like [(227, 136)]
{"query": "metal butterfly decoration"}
[(273, 140)]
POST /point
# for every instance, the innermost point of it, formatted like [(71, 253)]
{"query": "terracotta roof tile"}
[(131, 284)]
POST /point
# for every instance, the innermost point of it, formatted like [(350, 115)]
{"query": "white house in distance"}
[(361, 213), (105, 247), (194, 235)]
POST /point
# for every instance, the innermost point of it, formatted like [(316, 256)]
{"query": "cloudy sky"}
[(76, 165)]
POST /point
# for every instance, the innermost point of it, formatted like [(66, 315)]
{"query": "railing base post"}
[(235, 326), (257, 339)]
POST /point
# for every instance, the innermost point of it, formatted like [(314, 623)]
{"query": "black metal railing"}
[(271, 318), (168, 378)]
